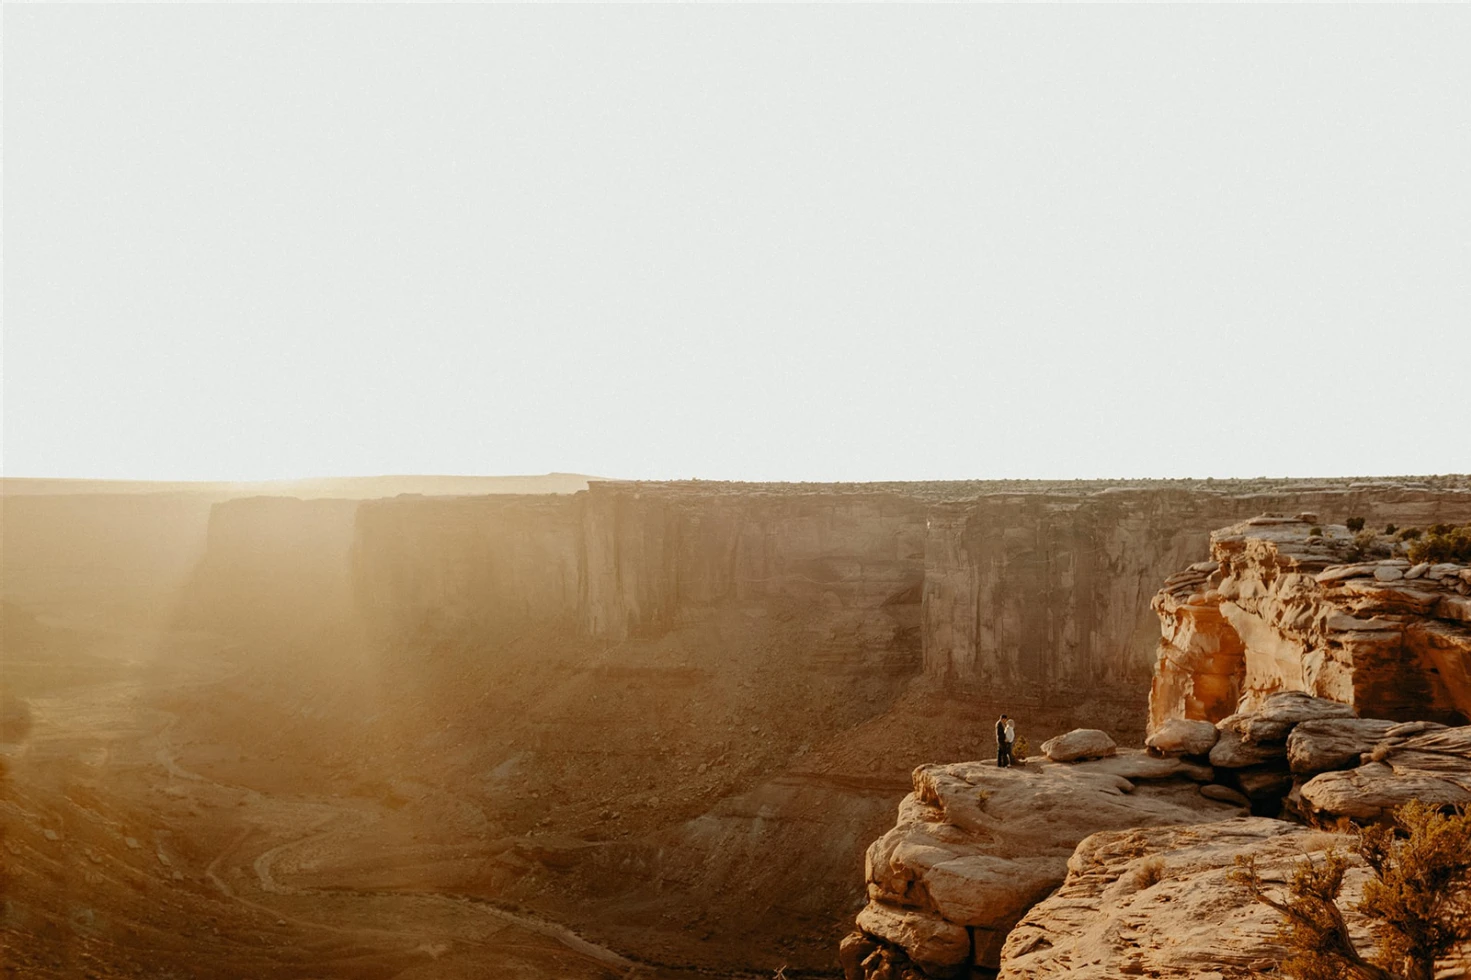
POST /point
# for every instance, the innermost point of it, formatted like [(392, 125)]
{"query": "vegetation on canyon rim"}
[(1442, 542), (1419, 899), (1437, 543)]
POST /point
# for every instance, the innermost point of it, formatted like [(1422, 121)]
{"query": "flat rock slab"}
[(1334, 743), (1135, 765), (1159, 902), (1224, 794)]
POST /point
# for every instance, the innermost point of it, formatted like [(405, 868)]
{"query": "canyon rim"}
[(652, 728)]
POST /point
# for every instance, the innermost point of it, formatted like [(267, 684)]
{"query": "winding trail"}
[(331, 819)]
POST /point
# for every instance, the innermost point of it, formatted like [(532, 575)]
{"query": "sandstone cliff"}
[(1272, 651), (1281, 608), (667, 689), (476, 566), (1029, 593), (273, 566), (1044, 596)]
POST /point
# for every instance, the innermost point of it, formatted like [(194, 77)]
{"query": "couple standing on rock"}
[(1005, 739)]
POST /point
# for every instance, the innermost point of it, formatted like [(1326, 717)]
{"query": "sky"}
[(742, 242)]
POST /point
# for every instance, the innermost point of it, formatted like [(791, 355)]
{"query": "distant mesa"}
[(350, 487)]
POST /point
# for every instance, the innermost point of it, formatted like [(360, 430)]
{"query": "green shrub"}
[(1354, 524), (1409, 533), (1315, 531), (1443, 543), (1391, 528)]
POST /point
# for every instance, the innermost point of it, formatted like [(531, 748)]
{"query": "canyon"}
[(668, 716), (1306, 672)]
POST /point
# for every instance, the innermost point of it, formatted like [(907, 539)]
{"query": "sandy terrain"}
[(121, 860)]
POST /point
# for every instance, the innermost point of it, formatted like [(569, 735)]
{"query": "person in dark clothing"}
[(1003, 744)]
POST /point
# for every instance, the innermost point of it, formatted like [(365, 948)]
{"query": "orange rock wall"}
[(1277, 609)]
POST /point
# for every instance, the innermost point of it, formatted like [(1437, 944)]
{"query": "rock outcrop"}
[(976, 846), (1272, 651), (1287, 605), (1312, 758), (1157, 902), (1433, 766)]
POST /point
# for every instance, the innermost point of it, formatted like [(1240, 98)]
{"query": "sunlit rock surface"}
[(1156, 902), (1279, 608), (976, 846)]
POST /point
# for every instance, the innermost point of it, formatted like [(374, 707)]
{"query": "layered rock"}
[(1028, 592), (1312, 757), (1281, 608), (845, 567), (1433, 766), (976, 846), (1158, 902)]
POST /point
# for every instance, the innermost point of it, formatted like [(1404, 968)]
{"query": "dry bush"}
[(1419, 900), (1321, 841), (1149, 872)]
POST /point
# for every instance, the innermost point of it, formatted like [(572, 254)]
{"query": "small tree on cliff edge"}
[(1419, 900)]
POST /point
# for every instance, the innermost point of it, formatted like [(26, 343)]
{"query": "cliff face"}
[(273, 565), (476, 566), (1037, 595), (847, 569), (1046, 596), (1280, 609)]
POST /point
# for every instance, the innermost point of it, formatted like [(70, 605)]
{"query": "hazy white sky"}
[(822, 242)]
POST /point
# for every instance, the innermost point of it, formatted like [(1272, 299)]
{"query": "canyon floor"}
[(120, 860), (187, 804)]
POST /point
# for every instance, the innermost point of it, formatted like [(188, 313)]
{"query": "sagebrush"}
[(1418, 900)]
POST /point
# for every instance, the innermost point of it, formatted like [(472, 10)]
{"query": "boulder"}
[(1370, 792), (930, 941), (1224, 794), (852, 951), (1232, 752), (1080, 743), (1278, 713), (1182, 736), (1333, 743)]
